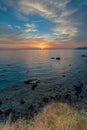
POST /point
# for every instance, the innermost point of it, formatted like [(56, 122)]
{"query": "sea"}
[(18, 65)]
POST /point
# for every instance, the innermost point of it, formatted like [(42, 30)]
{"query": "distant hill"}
[(81, 48)]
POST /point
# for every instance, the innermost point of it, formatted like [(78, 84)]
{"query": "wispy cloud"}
[(29, 28), (67, 18), (55, 11)]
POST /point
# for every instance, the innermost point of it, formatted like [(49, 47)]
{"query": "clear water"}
[(19, 65)]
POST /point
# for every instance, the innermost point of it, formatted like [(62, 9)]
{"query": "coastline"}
[(22, 102)]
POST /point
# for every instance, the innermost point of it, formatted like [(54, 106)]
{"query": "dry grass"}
[(57, 116)]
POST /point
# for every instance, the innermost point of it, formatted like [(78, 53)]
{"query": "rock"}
[(14, 111), (1, 112), (78, 89), (69, 64), (8, 111), (2, 75), (46, 99), (32, 81), (40, 104), (31, 107), (22, 101), (0, 101), (58, 58), (83, 55), (68, 97), (34, 86), (63, 75), (58, 97), (52, 58), (52, 97)]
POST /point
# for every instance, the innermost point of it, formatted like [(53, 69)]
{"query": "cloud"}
[(55, 11), (18, 27), (68, 20), (65, 30), (29, 28), (3, 8), (10, 26)]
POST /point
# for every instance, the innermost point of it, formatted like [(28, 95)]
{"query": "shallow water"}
[(19, 65)]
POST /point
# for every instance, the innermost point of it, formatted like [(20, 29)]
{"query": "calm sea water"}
[(19, 65)]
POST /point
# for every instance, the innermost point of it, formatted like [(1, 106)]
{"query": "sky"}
[(43, 23)]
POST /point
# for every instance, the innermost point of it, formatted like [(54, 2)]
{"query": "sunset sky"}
[(43, 23)]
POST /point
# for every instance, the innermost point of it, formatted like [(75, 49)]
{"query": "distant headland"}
[(81, 48)]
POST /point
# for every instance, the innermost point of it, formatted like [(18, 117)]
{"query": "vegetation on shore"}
[(55, 116)]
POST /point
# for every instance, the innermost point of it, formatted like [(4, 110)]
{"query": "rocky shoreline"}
[(27, 108)]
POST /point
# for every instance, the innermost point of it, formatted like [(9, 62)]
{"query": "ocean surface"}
[(16, 66)]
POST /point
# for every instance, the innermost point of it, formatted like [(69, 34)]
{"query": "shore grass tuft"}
[(55, 116)]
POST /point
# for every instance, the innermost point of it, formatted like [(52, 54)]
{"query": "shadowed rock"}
[(1, 112), (68, 97), (31, 107), (45, 99), (8, 111)]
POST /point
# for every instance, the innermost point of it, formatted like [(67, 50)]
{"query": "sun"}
[(42, 47)]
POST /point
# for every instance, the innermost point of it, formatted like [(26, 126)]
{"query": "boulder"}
[(58, 58), (22, 101), (32, 81)]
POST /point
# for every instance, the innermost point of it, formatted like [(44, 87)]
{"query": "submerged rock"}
[(0, 101), (34, 86), (69, 64), (52, 58), (2, 75), (83, 55), (63, 75)]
